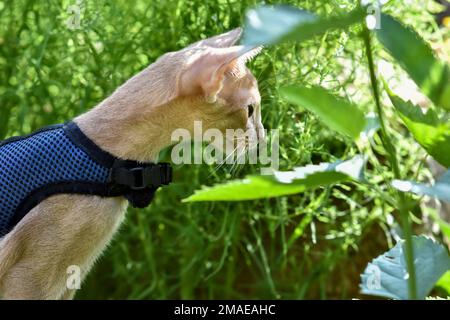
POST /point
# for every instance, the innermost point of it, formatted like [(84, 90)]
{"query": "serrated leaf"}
[(267, 25), (440, 190), (337, 113), (427, 129), (417, 58), (387, 275), (283, 183)]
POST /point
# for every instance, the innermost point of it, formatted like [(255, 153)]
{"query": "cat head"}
[(216, 69), (213, 74), (207, 81)]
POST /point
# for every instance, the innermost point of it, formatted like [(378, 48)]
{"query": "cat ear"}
[(223, 40), (227, 61), (206, 70)]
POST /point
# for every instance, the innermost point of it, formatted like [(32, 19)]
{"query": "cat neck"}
[(132, 124), (131, 129), (122, 137)]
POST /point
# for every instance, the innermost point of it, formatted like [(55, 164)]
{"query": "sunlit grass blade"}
[(443, 225), (444, 282)]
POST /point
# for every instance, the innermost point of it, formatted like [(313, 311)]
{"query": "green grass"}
[(310, 245)]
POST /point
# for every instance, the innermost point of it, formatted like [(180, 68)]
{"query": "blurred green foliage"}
[(310, 245)]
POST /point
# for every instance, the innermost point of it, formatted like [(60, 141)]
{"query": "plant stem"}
[(402, 207)]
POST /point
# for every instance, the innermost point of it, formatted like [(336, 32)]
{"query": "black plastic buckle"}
[(165, 173), (138, 177)]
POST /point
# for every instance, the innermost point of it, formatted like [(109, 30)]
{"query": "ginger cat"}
[(207, 81)]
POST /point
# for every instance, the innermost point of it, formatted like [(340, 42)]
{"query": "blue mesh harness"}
[(61, 159)]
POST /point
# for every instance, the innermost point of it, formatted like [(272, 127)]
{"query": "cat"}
[(207, 81)]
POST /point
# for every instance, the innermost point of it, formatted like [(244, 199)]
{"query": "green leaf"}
[(283, 183), (387, 275), (267, 25), (427, 129), (444, 282), (372, 126), (337, 113), (417, 58), (440, 190), (444, 226)]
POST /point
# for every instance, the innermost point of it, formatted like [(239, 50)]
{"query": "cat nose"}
[(250, 109)]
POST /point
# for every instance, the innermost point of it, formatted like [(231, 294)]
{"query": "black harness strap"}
[(138, 177), (114, 177), (136, 181)]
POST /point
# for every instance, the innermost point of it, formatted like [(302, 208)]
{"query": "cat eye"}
[(250, 110)]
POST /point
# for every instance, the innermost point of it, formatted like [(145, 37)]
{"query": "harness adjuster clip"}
[(138, 175), (141, 177)]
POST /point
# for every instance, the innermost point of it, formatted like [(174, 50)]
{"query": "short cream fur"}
[(206, 81)]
